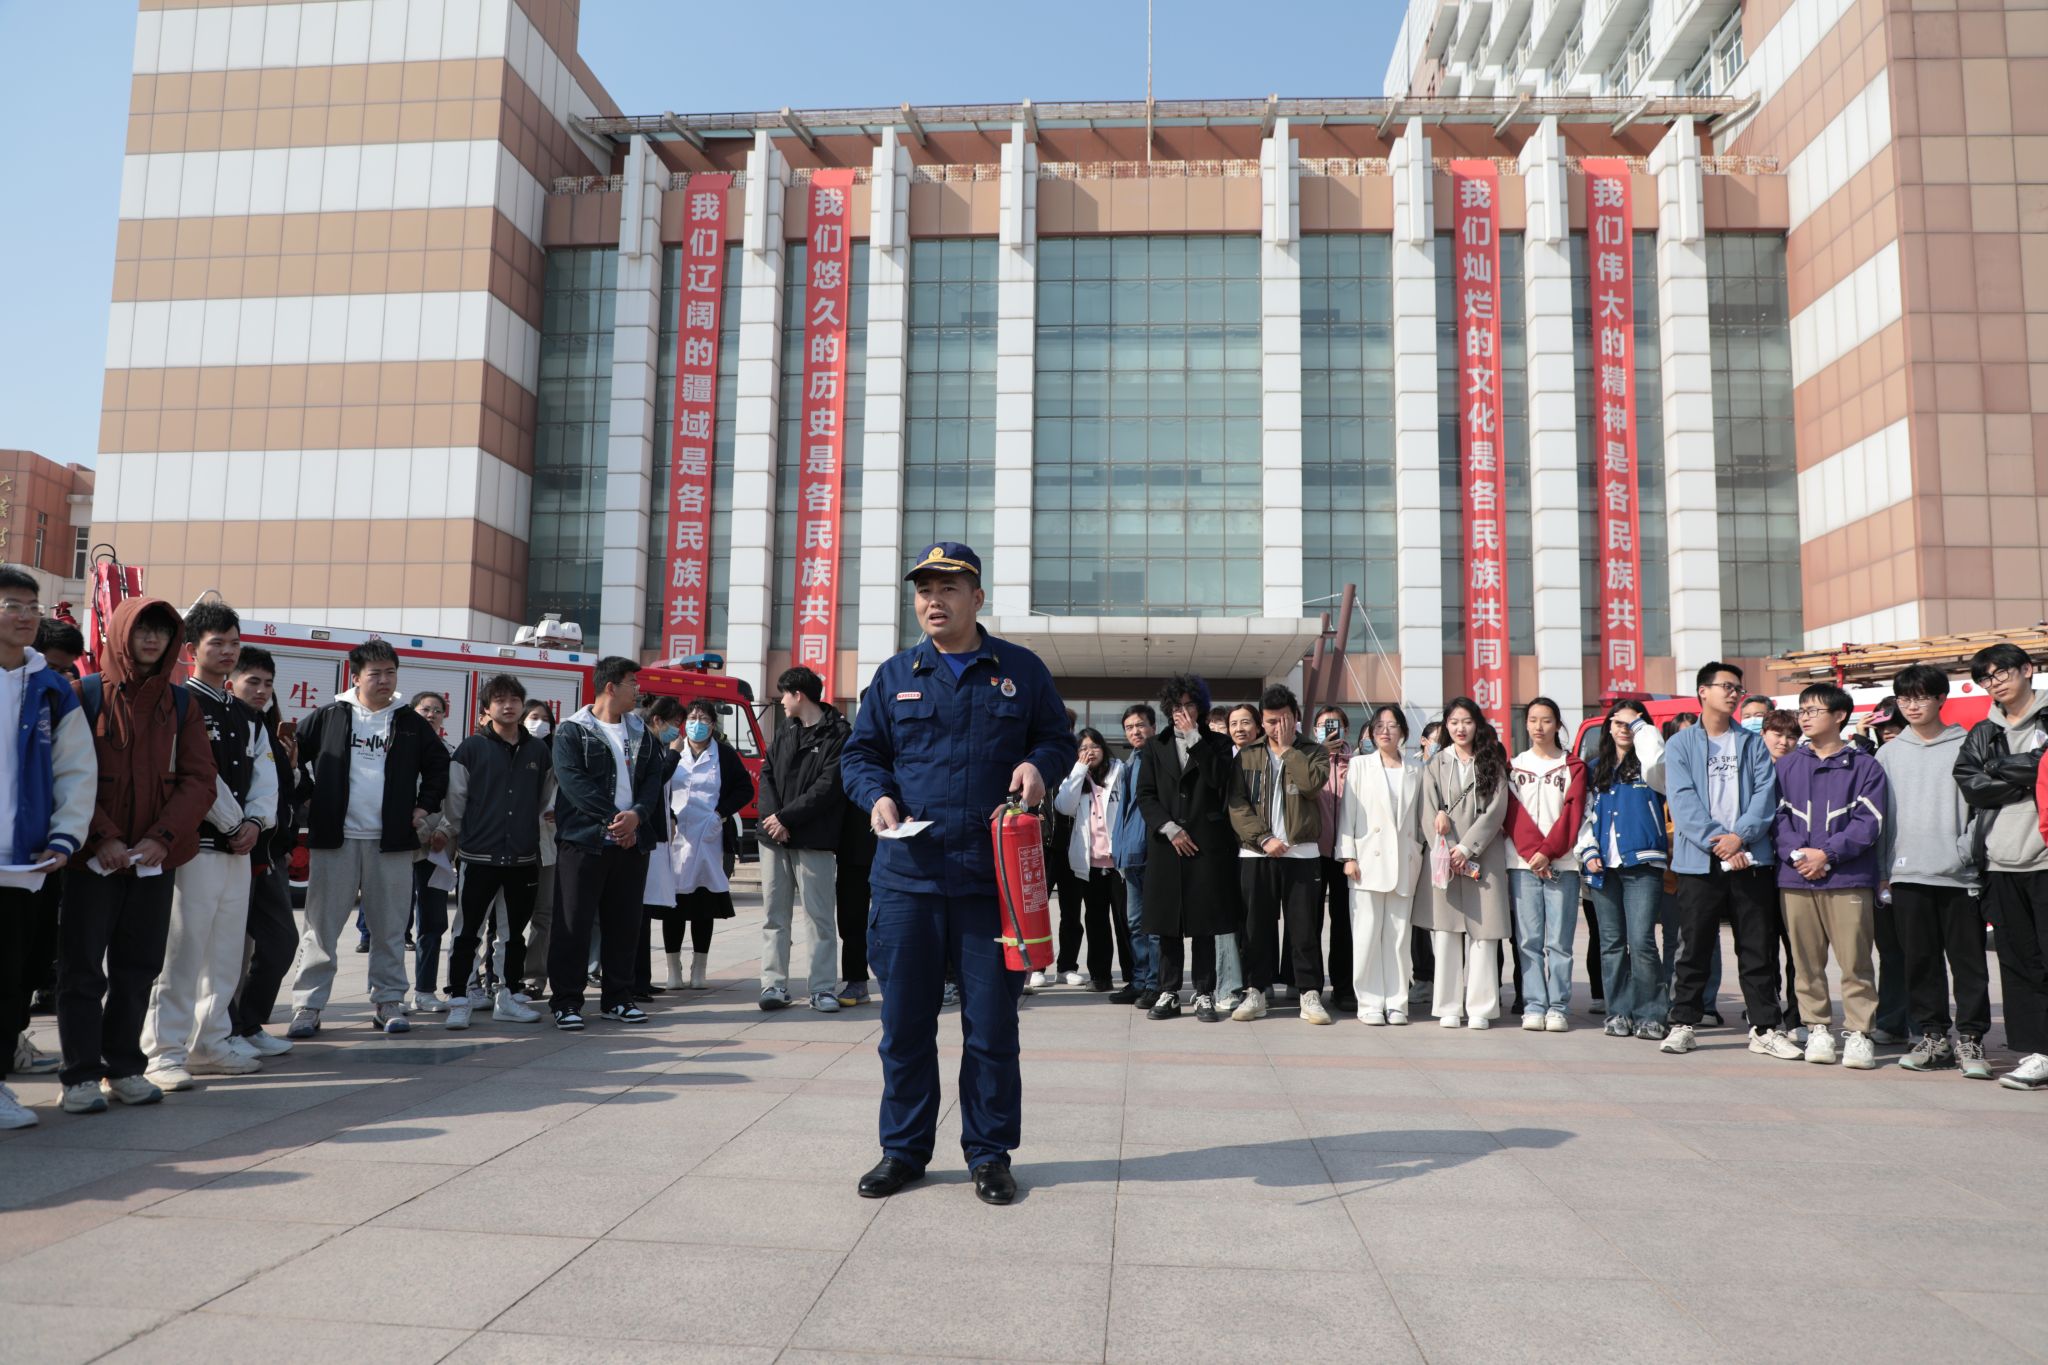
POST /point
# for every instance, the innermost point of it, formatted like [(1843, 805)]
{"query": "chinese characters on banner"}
[(686, 601), (828, 259), (1611, 267), (1475, 220)]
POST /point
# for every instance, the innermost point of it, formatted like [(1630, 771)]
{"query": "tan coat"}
[(1481, 908)]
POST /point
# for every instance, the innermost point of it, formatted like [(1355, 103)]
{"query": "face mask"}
[(538, 728), (1754, 724), (667, 734), (697, 730)]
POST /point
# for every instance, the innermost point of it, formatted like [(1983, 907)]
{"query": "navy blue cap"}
[(947, 556)]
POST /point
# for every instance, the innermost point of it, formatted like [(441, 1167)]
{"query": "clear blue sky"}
[(64, 107)]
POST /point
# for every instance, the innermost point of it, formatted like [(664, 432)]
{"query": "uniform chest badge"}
[(909, 696), (1009, 688)]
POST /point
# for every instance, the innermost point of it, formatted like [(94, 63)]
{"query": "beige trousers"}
[(1845, 921)]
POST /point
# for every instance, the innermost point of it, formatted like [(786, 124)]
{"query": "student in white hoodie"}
[(377, 773), (1379, 844)]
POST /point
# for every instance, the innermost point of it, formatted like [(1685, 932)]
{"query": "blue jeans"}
[(1144, 973), (1546, 920), (430, 919), (1229, 965), (1627, 905)]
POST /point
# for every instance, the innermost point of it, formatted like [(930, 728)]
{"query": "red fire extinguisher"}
[(1021, 888)]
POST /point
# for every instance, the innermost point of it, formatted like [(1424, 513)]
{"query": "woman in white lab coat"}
[(1379, 842), (707, 788)]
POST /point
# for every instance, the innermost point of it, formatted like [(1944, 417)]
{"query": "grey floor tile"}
[(172, 1263), (57, 1334), (718, 1211), (453, 1142), (304, 1188), (50, 1171), (1259, 1233), (1489, 1320), (662, 1292), (2021, 1319), (1281, 1171), (1476, 1240), (406, 1277), (1172, 1314), (1061, 1318), (1879, 1322), (1372, 1179), (941, 1217), (231, 1339), (519, 1348), (571, 1201)]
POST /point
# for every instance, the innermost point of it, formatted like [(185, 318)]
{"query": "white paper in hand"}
[(906, 830)]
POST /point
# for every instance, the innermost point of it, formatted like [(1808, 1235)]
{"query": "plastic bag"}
[(1440, 864)]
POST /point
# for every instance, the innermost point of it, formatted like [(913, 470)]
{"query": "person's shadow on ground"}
[(1392, 1156)]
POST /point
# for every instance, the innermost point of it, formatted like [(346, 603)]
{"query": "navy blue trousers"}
[(912, 939)]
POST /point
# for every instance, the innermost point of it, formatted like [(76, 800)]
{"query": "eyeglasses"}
[(1722, 687), (32, 610), (1997, 677), (1813, 712), (1386, 729)]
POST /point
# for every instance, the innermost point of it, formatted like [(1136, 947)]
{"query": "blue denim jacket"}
[(1693, 828)]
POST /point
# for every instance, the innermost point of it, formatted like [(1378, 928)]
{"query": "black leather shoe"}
[(993, 1183), (889, 1176), (1146, 999), (1124, 995)]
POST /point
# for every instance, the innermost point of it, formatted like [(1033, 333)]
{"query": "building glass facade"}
[(1147, 448), (1347, 432), (1653, 533), (1756, 475), (949, 430), (789, 445), (565, 568), (1514, 378)]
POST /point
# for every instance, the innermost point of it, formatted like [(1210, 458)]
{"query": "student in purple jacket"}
[(1832, 799)]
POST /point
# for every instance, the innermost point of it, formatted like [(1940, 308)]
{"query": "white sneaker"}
[(1312, 1011), (675, 971), (1252, 1007), (1555, 1021), (2030, 1074), (222, 1063), (426, 1002), (13, 1113), (1858, 1054), (458, 1015), (85, 1098), (241, 1047), (1377, 1018), (1038, 980), (128, 1090), (1397, 1016), (1820, 1047), (1450, 1021), (478, 997), (505, 1007), (30, 1060), (265, 1044), (1076, 978), (169, 1077), (1532, 1023), (1678, 1040), (1476, 1022)]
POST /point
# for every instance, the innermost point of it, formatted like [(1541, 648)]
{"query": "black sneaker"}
[(362, 945), (568, 1021), (625, 1014), (1167, 1006), (1146, 999), (1205, 1009), (1124, 995)]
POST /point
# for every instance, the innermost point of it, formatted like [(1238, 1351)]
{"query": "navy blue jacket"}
[(944, 750), (586, 791)]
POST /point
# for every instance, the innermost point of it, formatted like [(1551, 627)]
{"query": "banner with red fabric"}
[(1475, 266), (1610, 269), (686, 600), (822, 429)]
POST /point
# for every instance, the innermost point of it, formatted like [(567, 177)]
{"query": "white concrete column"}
[(881, 477), (1280, 373), (630, 447), (1419, 578), (1553, 424), (751, 576), (1691, 498), (1007, 563)]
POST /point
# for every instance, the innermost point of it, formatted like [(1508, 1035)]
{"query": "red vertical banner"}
[(1610, 267), (686, 601), (822, 432), (1475, 266)]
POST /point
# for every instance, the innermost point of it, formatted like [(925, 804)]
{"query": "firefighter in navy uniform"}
[(946, 730)]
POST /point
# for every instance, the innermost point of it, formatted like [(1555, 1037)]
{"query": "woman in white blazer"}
[(1379, 841), (1088, 797)]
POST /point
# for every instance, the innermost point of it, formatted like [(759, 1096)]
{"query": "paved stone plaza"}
[(685, 1191)]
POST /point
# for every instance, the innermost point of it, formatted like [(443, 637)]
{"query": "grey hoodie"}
[(1927, 829), (2014, 841)]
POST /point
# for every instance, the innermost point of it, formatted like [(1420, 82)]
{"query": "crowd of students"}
[(151, 823)]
